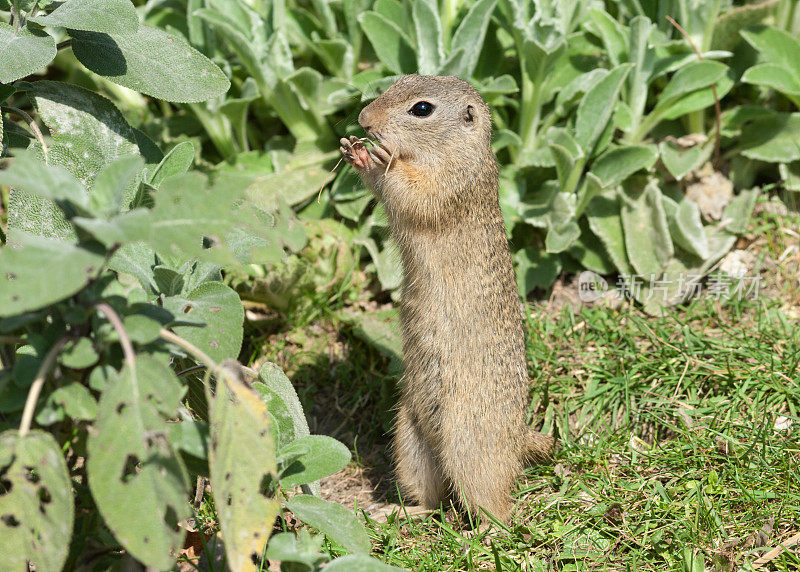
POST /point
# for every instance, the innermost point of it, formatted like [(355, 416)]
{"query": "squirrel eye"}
[(422, 109)]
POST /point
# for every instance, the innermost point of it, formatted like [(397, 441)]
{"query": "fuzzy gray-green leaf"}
[(312, 457), (333, 519), (647, 239), (110, 16), (23, 53), (37, 513), (242, 463), (27, 271), (153, 62), (218, 314), (389, 43), (135, 473), (596, 108), (775, 139)]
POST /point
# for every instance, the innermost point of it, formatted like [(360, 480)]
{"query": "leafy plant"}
[(112, 283), (110, 337)]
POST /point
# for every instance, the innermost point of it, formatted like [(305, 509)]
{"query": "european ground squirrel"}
[(461, 429)]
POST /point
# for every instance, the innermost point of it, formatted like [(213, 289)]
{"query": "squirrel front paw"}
[(362, 158)]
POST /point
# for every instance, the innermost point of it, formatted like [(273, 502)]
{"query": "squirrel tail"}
[(538, 446)]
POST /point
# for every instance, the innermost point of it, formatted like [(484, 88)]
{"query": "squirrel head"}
[(439, 131), (425, 119)]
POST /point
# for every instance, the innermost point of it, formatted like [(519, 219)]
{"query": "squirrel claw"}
[(355, 154)]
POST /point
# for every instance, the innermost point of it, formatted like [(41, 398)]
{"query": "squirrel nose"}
[(364, 120)]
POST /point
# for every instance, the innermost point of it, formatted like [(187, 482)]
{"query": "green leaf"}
[(75, 400), (536, 269), (278, 393), (605, 220), (470, 35), (218, 312), (389, 42), (775, 139), (301, 548), (618, 164), (590, 252), (110, 16), (36, 502), (242, 463), (313, 457), (79, 354), (565, 164), (776, 47), (430, 50), (359, 563), (696, 100), (642, 56), (612, 34), (27, 271), (737, 213), (23, 53), (686, 227), (116, 185), (151, 62), (560, 238), (89, 125), (597, 106), (773, 76), (136, 476), (681, 162), (381, 330), (176, 162), (191, 437), (692, 77), (334, 520), (30, 174), (790, 173), (294, 184), (647, 239), (540, 59)]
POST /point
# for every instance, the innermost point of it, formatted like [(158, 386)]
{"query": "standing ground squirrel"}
[(461, 429)]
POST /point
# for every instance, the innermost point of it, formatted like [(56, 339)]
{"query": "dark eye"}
[(422, 109)]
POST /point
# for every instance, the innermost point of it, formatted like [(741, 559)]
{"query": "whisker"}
[(389, 164), (336, 166)]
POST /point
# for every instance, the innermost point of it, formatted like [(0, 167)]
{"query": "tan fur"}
[(461, 429)]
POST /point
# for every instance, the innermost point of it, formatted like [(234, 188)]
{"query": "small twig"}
[(389, 164), (200, 488), (11, 340), (717, 107), (124, 339), (65, 44), (190, 370), (336, 166), (777, 551), (192, 349), (36, 386), (35, 128)]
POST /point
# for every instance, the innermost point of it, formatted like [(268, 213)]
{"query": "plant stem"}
[(36, 386), (124, 339), (35, 128), (190, 348)]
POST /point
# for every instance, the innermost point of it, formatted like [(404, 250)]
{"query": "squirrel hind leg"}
[(539, 447), (481, 475), (416, 465)]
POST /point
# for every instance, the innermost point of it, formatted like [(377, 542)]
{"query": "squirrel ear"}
[(469, 116)]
